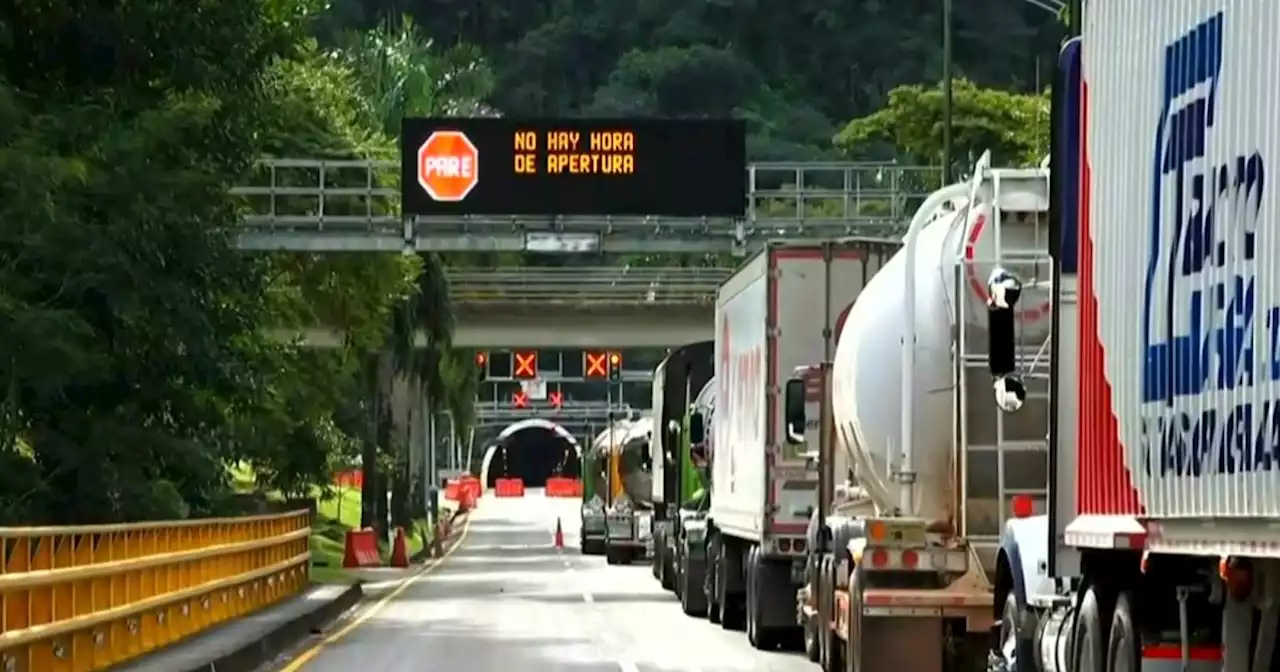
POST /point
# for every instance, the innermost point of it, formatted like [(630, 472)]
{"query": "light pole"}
[(946, 92)]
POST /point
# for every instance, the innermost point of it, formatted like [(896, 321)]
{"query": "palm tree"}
[(404, 74)]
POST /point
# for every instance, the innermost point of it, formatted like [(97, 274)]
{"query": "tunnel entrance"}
[(533, 451)]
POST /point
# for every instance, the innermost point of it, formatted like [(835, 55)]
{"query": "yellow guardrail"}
[(86, 598)]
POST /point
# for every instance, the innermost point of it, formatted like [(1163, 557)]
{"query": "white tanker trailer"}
[(615, 513), (895, 574), (595, 480)]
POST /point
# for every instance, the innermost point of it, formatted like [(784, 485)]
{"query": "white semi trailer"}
[(1160, 550), (770, 318)]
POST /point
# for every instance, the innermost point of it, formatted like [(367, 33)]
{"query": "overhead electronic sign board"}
[(669, 168)]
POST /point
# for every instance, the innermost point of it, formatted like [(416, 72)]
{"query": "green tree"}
[(1015, 127), (131, 347)]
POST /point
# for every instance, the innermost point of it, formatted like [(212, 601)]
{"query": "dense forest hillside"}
[(797, 71)]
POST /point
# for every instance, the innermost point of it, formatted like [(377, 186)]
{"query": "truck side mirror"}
[(1004, 289), (793, 403), (697, 432)]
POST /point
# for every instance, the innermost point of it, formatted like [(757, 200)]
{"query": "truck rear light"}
[(953, 561), (1022, 506), (799, 546), (1237, 575), (784, 545)]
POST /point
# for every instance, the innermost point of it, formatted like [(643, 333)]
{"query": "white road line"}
[(606, 637)]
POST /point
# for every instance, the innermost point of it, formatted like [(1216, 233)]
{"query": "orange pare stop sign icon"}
[(448, 166)]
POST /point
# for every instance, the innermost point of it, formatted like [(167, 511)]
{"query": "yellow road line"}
[(310, 654)]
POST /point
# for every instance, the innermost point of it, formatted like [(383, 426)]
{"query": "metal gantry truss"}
[(578, 286), (320, 205)]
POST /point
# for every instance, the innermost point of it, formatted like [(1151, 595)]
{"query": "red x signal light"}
[(597, 365), (556, 399), (520, 399), (526, 365)]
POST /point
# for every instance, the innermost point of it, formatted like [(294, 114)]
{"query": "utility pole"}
[(947, 101), (1075, 17)]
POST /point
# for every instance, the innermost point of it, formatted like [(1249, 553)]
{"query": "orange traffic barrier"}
[(451, 490), (508, 487), (558, 486), (399, 550), (361, 549), (471, 484)]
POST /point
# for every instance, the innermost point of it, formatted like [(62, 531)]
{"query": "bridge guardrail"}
[(587, 285), (90, 597), (785, 200)]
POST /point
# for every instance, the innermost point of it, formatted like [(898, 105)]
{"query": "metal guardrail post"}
[(91, 597)]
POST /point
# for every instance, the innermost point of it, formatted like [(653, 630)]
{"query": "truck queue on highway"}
[(1011, 441)]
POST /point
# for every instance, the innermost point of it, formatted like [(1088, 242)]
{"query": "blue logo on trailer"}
[(1200, 323)]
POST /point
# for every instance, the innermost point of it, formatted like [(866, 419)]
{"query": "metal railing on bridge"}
[(587, 286), (311, 204), (91, 597)]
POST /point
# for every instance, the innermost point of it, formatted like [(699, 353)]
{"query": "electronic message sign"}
[(671, 168)]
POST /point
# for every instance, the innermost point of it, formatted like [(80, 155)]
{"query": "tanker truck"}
[(1160, 548), (681, 375), (627, 486), (595, 485), (918, 460), (770, 317)]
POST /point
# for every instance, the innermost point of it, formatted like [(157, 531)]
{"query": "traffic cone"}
[(559, 541), (399, 550)]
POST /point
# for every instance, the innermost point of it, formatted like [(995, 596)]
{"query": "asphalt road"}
[(507, 600)]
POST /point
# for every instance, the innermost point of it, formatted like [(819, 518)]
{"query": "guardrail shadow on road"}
[(606, 598), (474, 644), (505, 551)]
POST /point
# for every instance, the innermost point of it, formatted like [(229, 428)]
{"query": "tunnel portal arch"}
[(524, 425)]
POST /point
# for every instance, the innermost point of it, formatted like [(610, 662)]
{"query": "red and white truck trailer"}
[(770, 318), (1160, 546)]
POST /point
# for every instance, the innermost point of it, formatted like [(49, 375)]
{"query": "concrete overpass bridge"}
[(576, 307)]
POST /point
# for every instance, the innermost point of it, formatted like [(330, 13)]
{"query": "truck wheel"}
[(1088, 654), (1010, 638), (830, 646), (812, 651), (656, 566), (670, 567), (1122, 643), (853, 647), (711, 583), (731, 613), (693, 599), (612, 555), (763, 638), (751, 574)]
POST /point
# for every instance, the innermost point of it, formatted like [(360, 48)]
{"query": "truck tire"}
[(693, 599), (1088, 648), (853, 646), (830, 647), (670, 573), (731, 615), (1122, 642), (812, 650), (711, 584), (658, 553), (751, 576), (761, 636)]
